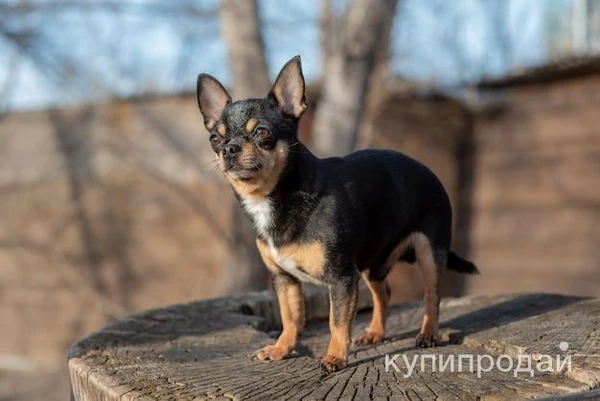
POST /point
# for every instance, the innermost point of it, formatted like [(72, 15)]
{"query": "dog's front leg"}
[(291, 306), (343, 295)]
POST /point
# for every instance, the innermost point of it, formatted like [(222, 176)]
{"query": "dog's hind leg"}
[(380, 291), (432, 261)]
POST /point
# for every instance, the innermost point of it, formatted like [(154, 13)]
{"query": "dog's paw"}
[(426, 340), (370, 338), (271, 353), (330, 364)]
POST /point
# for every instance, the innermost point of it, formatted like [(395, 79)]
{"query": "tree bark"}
[(326, 26), (241, 30), (244, 270), (355, 47)]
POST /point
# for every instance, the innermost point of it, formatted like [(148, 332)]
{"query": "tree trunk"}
[(244, 270), (241, 30), (355, 49)]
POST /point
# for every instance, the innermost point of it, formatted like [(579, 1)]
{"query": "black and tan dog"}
[(328, 221)]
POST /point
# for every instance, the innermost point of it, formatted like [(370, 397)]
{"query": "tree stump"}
[(203, 350)]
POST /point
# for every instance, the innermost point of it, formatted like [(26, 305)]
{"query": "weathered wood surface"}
[(201, 351)]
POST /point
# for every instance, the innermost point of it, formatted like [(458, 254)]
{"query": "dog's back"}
[(385, 196)]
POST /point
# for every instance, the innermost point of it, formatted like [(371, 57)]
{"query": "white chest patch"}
[(290, 265), (261, 211)]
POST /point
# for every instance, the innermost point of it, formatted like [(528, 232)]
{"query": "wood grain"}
[(201, 351)]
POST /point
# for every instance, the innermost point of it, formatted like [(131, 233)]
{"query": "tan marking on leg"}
[(376, 330), (337, 351), (340, 324), (398, 251), (424, 254), (251, 124), (291, 306), (340, 340), (310, 257), (265, 254)]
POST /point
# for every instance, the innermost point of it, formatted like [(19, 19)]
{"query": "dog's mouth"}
[(242, 172)]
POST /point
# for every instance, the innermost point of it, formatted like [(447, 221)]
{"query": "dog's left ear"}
[(288, 89)]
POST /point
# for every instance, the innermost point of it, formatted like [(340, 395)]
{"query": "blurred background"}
[(109, 198)]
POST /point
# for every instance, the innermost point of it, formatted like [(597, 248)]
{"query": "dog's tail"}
[(461, 265)]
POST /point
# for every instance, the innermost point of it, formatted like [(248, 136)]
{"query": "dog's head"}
[(251, 138)]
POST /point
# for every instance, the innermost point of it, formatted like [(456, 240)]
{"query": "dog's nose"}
[(231, 149)]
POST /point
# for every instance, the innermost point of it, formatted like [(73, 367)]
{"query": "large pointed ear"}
[(212, 99), (288, 89)]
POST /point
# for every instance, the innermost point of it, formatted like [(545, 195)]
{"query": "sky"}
[(135, 52)]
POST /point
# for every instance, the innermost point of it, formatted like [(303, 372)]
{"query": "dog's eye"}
[(215, 141), (262, 133)]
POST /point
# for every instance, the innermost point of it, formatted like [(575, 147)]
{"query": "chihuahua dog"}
[(328, 221)]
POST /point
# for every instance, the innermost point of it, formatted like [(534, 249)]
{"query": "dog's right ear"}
[(212, 99)]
